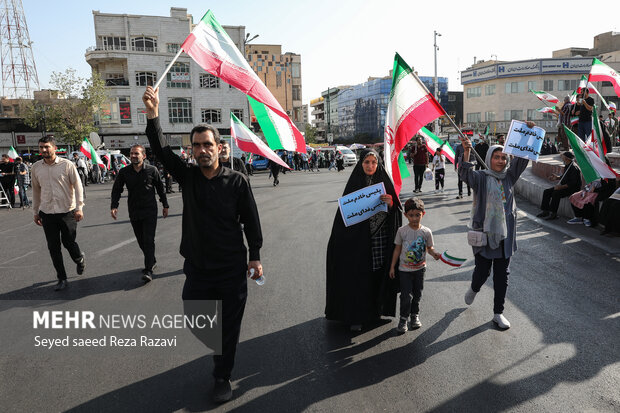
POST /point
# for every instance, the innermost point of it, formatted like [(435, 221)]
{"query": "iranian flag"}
[(433, 143), (487, 130), (402, 167), (600, 72), (88, 151), (592, 167), (278, 132), (450, 260), (411, 106), (544, 96), (546, 110), (247, 141), (597, 135), (213, 50), (12, 153)]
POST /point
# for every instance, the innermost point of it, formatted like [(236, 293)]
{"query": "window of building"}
[(473, 117), (513, 114), (208, 81), (489, 90), (568, 84), (180, 110), (473, 92), (144, 44), (489, 116), (451, 98), (173, 47), (113, 43), (211, 116), (531, 114), (296, 70), (141, 116), (116, 111), (116, 79), (547, 116), (179, 76), (238, 113), (146, 78), (531, 85), (124, 108), (296, 92), (548, 85), (278, 79), (515, 87)]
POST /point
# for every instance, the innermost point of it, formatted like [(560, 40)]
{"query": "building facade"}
[(131, 52), (281, 73), (497, 92)]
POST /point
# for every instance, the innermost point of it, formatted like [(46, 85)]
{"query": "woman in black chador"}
[(358, 257)]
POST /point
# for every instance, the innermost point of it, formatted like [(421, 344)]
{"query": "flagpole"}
[(161, 78), (478, 158)]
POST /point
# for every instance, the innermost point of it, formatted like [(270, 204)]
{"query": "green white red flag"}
[(213, 50), (546, 110), (247, 141), (597, 135), (544, 96), (278, 132), (592, 167), (450, 260), (89, 151), (600, 72), (433, 143), (402, 167), (411, 106), (574, 120), (12, 153)]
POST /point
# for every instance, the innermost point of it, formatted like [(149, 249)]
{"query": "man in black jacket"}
[(570, 182), (225, 159), (142, 181), (218, 208)]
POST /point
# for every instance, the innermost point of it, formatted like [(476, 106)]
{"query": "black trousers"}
[(8, 184), (551, 198), (411, 285), (439, 177), (230, 286), (418, 175), (61, 228), (501, 270), (460, 185), (144, 230)]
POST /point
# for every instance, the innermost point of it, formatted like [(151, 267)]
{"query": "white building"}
[(131, 52)]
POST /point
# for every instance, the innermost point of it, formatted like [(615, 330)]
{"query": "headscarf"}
[(495, 216)]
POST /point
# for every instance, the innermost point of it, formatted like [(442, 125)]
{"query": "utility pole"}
[(436, 85)]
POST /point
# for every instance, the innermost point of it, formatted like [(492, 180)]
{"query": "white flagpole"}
[(161, 78)]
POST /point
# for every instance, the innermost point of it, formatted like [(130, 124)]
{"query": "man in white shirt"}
[(57, 204)]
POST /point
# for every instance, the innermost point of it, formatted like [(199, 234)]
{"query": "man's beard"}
[(205, 161)]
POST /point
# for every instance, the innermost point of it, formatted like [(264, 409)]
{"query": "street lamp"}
[(435, 80)]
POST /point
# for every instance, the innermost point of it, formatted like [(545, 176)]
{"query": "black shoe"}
[(543, 214), (459, 196), (552, 216), (81, 264), (62, 284), (147, 276), (222, 392)]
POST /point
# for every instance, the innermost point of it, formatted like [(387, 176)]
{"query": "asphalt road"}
[(560, 355)]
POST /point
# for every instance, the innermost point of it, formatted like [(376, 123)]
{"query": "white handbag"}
[(428, 174), (476, 238)]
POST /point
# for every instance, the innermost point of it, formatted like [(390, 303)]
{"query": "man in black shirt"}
[(570, 182), (142, 181), (225, 158), (583, 108), (7, 178), (218, 208)]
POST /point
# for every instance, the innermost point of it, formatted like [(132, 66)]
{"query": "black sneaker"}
[(414, 323), (543, 214), (222, 391), (62, 284), (551, 216), (147, 276), (81, 264)]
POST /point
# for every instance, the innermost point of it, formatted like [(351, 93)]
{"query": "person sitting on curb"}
[(570, 182)]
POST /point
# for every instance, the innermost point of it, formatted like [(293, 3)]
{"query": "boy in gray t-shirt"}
[(412, 242)]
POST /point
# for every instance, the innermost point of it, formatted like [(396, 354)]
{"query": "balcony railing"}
[(101, 48), (117, 82)]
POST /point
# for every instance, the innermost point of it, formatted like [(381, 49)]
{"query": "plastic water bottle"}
[(260, 280)]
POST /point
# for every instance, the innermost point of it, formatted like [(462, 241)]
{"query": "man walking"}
[(57, 204), (142, 181), (21, 172), (420, 163), (458, 158), (82, 170), (218, 207)]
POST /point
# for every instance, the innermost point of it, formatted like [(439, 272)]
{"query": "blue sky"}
[(341, 41)]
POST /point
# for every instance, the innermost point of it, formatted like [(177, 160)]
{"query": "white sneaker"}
[(469, 296), (501, 321)]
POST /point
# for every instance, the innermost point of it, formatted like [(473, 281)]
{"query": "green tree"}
[(71, 116), (310, 134)]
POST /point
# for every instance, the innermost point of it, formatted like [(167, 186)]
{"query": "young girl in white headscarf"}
[(494, 213)]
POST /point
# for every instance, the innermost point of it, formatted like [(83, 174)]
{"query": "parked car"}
[(259, 163), (349, 157)]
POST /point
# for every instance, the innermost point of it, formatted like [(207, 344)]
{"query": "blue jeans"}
[(23, 197), (584, 129)]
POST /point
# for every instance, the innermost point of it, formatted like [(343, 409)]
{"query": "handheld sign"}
[(524, 142), (360, 205)]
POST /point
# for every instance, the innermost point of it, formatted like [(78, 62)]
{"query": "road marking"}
[(611, 316), (17, 258), (114, 247)]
